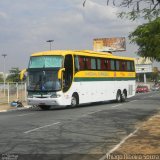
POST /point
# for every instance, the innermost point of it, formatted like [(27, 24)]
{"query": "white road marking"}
[(32, 130), (84, 115), (134, 100), (90, 113), (21, 115), (94, 112), (116, 105), (106, 156)]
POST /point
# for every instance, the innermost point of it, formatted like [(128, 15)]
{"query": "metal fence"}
[(12, 91)]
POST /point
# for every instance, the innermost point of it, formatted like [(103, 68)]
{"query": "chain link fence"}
[(12, 91)]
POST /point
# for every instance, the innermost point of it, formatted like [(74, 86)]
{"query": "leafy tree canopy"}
[(147, 37), (14, 75)]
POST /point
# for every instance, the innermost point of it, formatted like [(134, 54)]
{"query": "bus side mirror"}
[(60, 73), (22, 74)]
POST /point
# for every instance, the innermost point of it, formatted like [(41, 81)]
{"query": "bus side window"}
[(128, 66), (122, 66), (108, 64), (112, 65), (93, 63), (117, 65), (76, 63), (125, 65), (99, 64), (88, 63), (81, 63), (132, 66), (103, 66)]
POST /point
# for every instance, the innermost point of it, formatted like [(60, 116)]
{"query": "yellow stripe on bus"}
[(103, 74)]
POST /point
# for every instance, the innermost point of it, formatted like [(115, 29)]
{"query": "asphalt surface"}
[(73, 133)]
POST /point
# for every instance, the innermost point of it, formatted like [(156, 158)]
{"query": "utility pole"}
[(4, 74), (50, 42)]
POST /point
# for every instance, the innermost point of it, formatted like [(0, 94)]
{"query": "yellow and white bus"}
[(75, 77)]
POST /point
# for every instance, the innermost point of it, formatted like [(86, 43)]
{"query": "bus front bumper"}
[(46, 101)]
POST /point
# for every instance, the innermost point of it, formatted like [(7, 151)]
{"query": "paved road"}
[(67, 133)]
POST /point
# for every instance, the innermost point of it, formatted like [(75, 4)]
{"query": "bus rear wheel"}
[(43, 107), (124, 96)]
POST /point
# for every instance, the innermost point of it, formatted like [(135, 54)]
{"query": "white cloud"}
[(28, 24), (96, 13), (3, 15)]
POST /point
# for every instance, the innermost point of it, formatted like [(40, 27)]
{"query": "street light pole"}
[(4, 74), (50, 41)]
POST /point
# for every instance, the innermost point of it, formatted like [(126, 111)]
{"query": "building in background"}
[(144, 66)]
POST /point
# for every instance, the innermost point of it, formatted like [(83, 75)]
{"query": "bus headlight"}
[(55, 95)]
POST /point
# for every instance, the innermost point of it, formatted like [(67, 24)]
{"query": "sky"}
[(26, 25)]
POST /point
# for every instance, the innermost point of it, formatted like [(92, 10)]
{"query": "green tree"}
[(147, 37), (14, 75), (1, 78)]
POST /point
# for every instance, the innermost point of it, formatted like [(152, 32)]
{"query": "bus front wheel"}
[(74, 100), (43, 107)]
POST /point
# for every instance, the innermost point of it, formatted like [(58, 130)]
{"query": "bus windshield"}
[(46, 62), (43, 81)]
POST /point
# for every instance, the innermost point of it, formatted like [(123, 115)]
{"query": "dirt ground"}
[(6, 107), (144, 144)]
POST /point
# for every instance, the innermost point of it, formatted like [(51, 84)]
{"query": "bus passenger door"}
[(68, 73)]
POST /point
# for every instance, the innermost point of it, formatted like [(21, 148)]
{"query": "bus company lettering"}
[(96, 74), (91, 74), (131, 74), (122, 74), (102, 74)]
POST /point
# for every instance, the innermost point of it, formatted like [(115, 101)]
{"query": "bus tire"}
[(119, 96), (124, 96), (74, 100), (43, 107)]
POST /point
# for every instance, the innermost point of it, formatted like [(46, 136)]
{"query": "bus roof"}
[(81, 53)]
